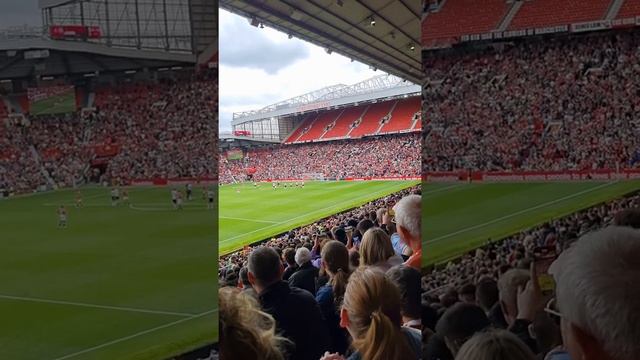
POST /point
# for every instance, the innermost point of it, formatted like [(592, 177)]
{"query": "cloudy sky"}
[(259, 67), (19, 12)]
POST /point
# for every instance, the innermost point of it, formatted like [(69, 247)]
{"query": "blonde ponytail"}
[(373, 305)]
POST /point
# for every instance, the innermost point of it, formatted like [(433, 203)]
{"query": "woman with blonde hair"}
[(246, 332), (376, 250), (371, 313), (494, 345)]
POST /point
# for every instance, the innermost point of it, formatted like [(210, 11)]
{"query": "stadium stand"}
[(383, 156), (460, 17), (344, 123), (525, 107), (304, 126), (629, 8), (320, 125), (372, 118), (546, 13), (403, 116), (61, 150), (485, 277), (287, 307)]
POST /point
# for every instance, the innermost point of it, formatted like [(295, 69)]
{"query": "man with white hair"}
[(306, 276), (598, 295), (408, 215)]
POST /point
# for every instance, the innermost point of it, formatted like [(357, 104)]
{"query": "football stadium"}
[(329, 180), (107, 144), (531, 161)]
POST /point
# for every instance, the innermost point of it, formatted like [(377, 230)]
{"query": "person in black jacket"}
[(297, 314), (306, 276)]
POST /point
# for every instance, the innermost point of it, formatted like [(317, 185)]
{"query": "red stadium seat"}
[(319, 127), (629, 9), (463, 17), (306, 124), (546, 13), (371, 119), (402, 116), (344, 123)]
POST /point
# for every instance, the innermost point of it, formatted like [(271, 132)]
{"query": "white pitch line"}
[(119, 340), (95, 306), (243, 219), (382, 193), (524, 211), (441, 189)]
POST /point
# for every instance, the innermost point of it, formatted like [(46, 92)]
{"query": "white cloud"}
[(246, 85)]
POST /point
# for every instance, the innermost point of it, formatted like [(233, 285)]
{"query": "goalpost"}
[(313, 176)]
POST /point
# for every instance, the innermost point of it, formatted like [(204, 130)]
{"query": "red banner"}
[(58, 32)]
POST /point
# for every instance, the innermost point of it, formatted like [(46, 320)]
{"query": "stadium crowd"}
[(545, 104), (389, 156), (345, 287), (498, 302), (164, 129)]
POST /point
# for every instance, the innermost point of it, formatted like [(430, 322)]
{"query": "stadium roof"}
[(377, 87), (384, 34), (229, 141), (27, 57)]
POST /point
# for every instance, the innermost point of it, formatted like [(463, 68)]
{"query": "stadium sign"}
[(59, 32), (528, 176)]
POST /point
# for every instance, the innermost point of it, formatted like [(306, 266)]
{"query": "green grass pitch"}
[(460, 217), (63, 103), (249, 214), (121, 283)]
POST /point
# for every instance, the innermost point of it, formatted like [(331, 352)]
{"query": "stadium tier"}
[(172, 123), (389, 156), (460, 17), (524, 107), (546, 13), (451, 20), (629, 9)]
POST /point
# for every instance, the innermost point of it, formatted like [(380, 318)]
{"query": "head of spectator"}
[(494, 345), (246, 332), (408, 217), (288, 257), (408, 281), (459, 323), (598, 287), (354, 258), (339, 234), (376, 250), (467, 293), (371, 314), (303, 256), (628, 217), (364, 225), (335, 260), (243, 282), (508, 286), (265, 268), (487, 293)]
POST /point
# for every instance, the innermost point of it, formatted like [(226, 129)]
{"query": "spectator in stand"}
[(244, 283), (246, 332), (376, 250), (494, 345), (306, 276), (458, 324), (293, 309), (371, 314), (408, 217), (335, 260), (289, 258), (408, 281), (598, 287)]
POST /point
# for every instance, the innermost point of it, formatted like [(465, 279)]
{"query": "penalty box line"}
[(95, 306), (132, 336), (517, 213)]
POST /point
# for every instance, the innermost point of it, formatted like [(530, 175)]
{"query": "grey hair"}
[(599, 289), (494, 345), (409, 213)]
